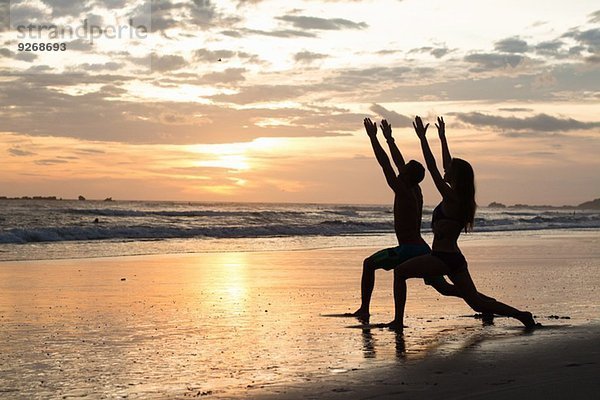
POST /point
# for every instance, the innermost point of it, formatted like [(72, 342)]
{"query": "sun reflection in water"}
[(231, 282)]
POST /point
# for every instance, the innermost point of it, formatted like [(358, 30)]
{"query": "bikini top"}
[(438, 215)]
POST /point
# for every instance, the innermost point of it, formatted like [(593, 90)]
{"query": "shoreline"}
[(476, 237)]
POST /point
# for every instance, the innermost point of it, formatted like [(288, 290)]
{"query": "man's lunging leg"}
[(367, 283)]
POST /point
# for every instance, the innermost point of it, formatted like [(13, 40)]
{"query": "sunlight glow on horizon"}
[(232, 161)]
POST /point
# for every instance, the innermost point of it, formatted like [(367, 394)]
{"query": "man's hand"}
[(386, 129), (419, 128), (441, 127), (370, 127)]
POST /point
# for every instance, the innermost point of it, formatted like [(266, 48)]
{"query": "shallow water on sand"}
[(227, 324)]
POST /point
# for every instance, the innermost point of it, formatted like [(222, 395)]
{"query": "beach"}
[(258, 325)]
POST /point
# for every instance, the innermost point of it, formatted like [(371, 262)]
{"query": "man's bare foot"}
[(527, 319), (396, 326), (361, 315)]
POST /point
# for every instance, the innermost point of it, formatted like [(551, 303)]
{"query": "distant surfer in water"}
[(408, 209)]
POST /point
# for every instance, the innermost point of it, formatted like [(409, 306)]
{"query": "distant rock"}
[(493, 204), (44, 197), (590, 205), (108, 199), (519, 205), (81, 198)]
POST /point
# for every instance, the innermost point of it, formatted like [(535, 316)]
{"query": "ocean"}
[(58, 229)]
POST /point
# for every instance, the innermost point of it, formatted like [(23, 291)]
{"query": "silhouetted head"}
[(414, 172), (461, 178)]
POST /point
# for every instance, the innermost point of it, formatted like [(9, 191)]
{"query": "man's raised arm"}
[(380, 155), (394, 151)]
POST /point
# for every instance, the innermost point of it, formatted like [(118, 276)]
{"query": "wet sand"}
[(229, 325), (556, 362)]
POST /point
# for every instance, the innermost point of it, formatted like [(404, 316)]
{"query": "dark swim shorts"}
[(455, 261), (391, 257)]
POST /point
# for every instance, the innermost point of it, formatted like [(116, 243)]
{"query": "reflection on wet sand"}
[(369, 347)]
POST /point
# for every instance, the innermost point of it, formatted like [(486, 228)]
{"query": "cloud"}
[(61, 8), (168, 14), (168, 63), (230, 75), (354, 78), (162, 17), (202, 12), (109, 66), (392, 117), (89, 151), (589, 38), (247, 2), (537, 123), (308, 57), (541, 153), (4, 15), (594, 59), (22, 13), (511, 45), (39, 69), (262, 93), (18, 152), (437, 52), (549, 48), (326, 118), (388, 51), (231, 33), (317, 23), (51, 161), (25, 56), (79, 45), (516, 109), (37, 105), (595, 17), (212, 56), (492, 61), (280, 33), (386, 85)]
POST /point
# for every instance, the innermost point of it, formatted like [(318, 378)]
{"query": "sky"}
[(263, 100)]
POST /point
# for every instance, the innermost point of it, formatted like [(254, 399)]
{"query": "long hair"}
[(463, 182)]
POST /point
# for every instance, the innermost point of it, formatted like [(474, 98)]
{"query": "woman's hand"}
[(441, 127), (386, 129), (419, 128), (370, 127)]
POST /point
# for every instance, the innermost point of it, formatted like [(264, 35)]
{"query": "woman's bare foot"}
[(527, 319)]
